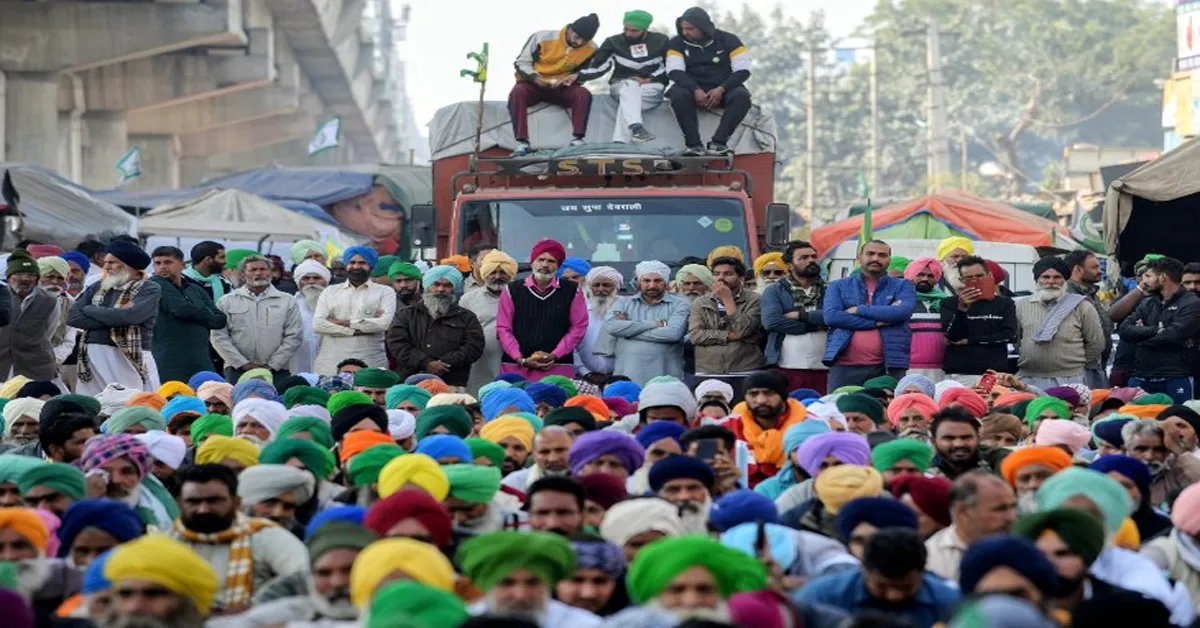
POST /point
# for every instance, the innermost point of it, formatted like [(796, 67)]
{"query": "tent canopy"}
[(1154, 209), (234, 215), (56, 210), (947, 213)]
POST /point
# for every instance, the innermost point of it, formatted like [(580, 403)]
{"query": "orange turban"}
[(1053, 457), (357, 442), (1010, 399), (1099, 395), (147, 399), (27, 523), (434, 386), (460, 262), (1150, 411), (593, 404)]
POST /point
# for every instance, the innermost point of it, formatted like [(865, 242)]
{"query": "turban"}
[(725, 250), (547, 245), (300, 250), (1184, 413), (202, 377), (437, 273), (439, 446), (1049, 263), (90, 405), (591, 445), (27, 523), (367, 253), (922, 383), (1017, 554), (497, 260), (456, 419), (1109, 496), (967, 398), (317, 459), (629, 518), (1069, 395), (678, 468), (113, 517), (220, 391), (235, 257), (168, 563), (17, 408), (10, 387), (101, 450), (461, 263), (846, 447), (411, 503), (548, 394), (472, 483), (316, 428), (917, 452), (170, 389), (434, 385), (881, 512), (838, 485), (409, 603), (511, 378), (899, 263), (38, 388), (578, 265), (346, 398), (337, 535), (624, 389), (1128, 466), (605, 489), (403, 269), (151, 400), (311, 267), (305, 396), (1081, 531), (348, 417), (1042, 404), (416, 469), (607, 272), (941, 387), (376, 378), (451, 399), (638, 19), (270, 414), (783, 541), (1156, 399), (47, 265), (618, 406), (217, 448), (771, 380), (1129, 394), (662, 561), (562, 382), (1052, 457), (502, 400), (1185, 512), (357, 442), (774, 257), (915, 267), (658, 430), (79, 259), (931, 495), (165, 448), (252, 388), (419, 561), (741, 506), (401, 424), (268, 481), (345, 514), (652, 267), (181, 404), (593, 404), (699, 272), (14, 466), (263, 374), (1063, 432), (415, 395), (1143, 411), (866, 404), (129, 253), (508, 426), (994, 425), (126, 418), (489, 558), (601, 555), (63, 478), (947, 246), (921, 402), (804, 394), (364, 468), (883, 382), (382, 265), (481, 448), (670, 393), (210, 424)]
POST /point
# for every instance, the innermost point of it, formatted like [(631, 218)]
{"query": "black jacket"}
[(645, 58), (1163, 332), (416, 339), (720, 60), (987, 326)]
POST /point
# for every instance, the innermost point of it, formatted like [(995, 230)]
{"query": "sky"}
[(442, 32)]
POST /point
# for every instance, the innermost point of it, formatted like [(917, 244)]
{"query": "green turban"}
[(883, 382), (639, 19), (562, 382), (384, 265), (315, 427), (846, 390), (660, 562), (337, 534), (481, 448), (885, 455), (125, 418), (1039, 405), (346, 398), (1080, 530), (234, 257), (63, 478), (899, 263), (315, 458), (301, 249), (210, 424), (473, 483), (489, 558), (1157, 399), (454, 418), (376, 378), (264, 374), (91, 404), (13, 466), (866, 404), (365, 466), (1109, 496), (404, 269), (699, 271), (397, 395), (410, 603), (536, 421), (305, 396)]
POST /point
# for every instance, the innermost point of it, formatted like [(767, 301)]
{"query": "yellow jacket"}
[(547, 55)]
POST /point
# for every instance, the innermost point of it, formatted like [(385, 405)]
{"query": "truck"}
[(610, 204)]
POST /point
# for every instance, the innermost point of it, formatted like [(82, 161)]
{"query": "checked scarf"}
[(127, 339), (807, 299), (239, 576)]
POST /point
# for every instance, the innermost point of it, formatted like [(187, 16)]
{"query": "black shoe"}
[(640, 134), (693, 151), (717, 148)]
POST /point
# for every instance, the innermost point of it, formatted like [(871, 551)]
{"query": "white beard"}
[(32, 574), (1049, 295), (342, 609), (54, 291), (952, 276), (258, 442), (695, 515), (496, 287), (534, 615), (259, 283), (542, 277), (720, 614), (437, 304), (311, 293), (601, 305), (115, 281)]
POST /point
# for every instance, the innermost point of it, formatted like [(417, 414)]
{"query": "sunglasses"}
[(774, 273)]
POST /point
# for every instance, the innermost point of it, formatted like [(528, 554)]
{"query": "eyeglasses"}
[(774, 273)]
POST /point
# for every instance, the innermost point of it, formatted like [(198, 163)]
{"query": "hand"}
[(967, 297), (437, 367), (661, 324), (96, 486), (957, 343), (570, 80), (733, 336), (793, 315), (701, 97), (541, 82), (642, 80), (722, 291), (620, 316), (597, 379), (1008, 380), (852, 310), (715, 95), (727, 473), (340, 322)]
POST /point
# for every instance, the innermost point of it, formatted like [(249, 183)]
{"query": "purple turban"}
[(1067, 394), (845, 446), (592, 445)]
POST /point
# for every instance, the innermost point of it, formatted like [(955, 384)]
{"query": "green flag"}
[(130, 165), (328, 136)]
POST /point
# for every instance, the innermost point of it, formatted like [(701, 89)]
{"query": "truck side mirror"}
[(423, 221), (779, 224)]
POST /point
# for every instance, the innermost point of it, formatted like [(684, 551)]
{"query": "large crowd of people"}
[(215, 440)]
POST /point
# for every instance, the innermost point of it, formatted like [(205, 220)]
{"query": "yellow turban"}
[(13, 386), (27, 523), (945, 247), (419, 561), (774, 257), (497, 259), (168, 563), (838, 485), (726, 250), (170, 389), (416, 469), (216, 448), (1127, 536), (506, 426)]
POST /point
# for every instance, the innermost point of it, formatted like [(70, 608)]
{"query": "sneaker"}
[(693, 151), (717, 148), (523, 150), (576, 142), (640, 134)]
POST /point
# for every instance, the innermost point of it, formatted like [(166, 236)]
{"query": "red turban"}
[(998, 272), (411, 503), (920, 401), (967, 398), (552, 247), (931, 495), (920, 264), (605, 489), (619, 405)]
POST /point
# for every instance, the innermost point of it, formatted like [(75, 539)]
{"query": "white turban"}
[(632, 517), (311, 267), (114, 397), (268, 481), (652, 267), (827, 412), (401, 424), (55, 264), (317, 411), (608, 272), (714, 387), (17, 408), (941, 387), (166, 448), (450, 399), (271, 414)]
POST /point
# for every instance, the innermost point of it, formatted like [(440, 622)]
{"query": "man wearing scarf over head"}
[(437, 335), (312, 277), (928, 333), (541, 320), (353, 317), (118, 467), (118, 315), (1058, 339), (496, 268)]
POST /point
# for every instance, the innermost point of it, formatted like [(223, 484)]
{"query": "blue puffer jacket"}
[(893, 304)]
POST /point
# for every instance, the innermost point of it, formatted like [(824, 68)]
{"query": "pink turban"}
[(1063, 432), (1185, 512), (546, 245), (967, 398), (920, 264), (920, 401)]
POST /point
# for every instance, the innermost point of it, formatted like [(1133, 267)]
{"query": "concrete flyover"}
[(199, 86)]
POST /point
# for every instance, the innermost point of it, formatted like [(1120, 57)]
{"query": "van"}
[(1016, 259)]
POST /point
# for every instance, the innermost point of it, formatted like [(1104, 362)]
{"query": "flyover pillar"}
[(30, 118), (104, 143)]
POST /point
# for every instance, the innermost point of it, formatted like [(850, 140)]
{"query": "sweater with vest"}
[(553, 320)]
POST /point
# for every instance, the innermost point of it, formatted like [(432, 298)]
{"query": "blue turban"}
[(1128, 466), (203, 376), (742, 506), (512, 378), (498, 400), (658, 430), (366, 252), (785, 549), (449, 273), (487, 388), (438, 446), (800, 394), (920, 381), (549, 394), (627, 390), (352, 514), (113, 517), (881, 512), (577, 264), (183, 403), (677, 468), (258, 387), (93, 578), (79, 259), (1017, 554), (1108, 430)]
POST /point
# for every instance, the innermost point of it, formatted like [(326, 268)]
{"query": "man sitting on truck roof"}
[(708, 67), (637, 58), (548, 71)]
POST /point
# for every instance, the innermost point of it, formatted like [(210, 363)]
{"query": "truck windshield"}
[(613, 231)]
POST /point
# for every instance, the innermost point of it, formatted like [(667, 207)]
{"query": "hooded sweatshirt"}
[(720, 60)]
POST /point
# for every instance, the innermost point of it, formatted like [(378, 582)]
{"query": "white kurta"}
[(370, 309), (306, 355)]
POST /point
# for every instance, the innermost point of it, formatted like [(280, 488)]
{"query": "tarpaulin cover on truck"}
[(56, 210)]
